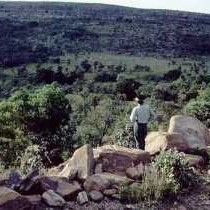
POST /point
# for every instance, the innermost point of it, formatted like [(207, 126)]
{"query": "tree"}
[(200, 107)]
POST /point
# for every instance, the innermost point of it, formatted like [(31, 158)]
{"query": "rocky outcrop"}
[(161, 141), (193, 131), (11, 200), (103, 181), (79, 166), (116, 159), (62, 186), (195, 160), (53, 199)]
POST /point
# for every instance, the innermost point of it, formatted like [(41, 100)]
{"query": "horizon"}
[(197, 6)]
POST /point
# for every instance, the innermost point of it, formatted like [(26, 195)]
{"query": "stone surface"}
[(26, 185), (110, 192), (194, 132), (11, 200), (14, 179), (117, 159), (103, 181), (195, 160), (62, 186), (82, 198), (3, 179), (96, 196), (135, 172), (80, 165), (98, 168), (53, 199), (161, 141)]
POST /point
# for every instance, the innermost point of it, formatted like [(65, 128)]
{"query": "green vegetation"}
[(168, 174), (71, 77)]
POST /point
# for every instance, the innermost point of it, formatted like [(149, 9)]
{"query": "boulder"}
[(3, 179), (98, 168), (11, 200), (116, 159), (82, 198), (96, 196), (53, 199), (161, 141), (195, 160), (103, 181), (26, 185), (80, 165), (194, 132), (110, 192), (62, 186), (14, 179), (135, 172)]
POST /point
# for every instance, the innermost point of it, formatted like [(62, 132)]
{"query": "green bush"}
[(42, 115), (200, 107), (168, 174), (153, 187), (31, 159), (177, 168)]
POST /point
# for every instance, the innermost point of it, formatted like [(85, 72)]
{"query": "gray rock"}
[(53, 199), (82, 198), (110, 192), (98, 168), (14, 179), (96, 196)]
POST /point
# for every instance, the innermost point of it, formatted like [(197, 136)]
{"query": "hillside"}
[(32, 32)]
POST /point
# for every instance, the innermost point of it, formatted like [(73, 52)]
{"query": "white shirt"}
[(142, 114)]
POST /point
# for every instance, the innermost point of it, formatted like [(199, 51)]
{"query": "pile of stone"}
[(92, 175)]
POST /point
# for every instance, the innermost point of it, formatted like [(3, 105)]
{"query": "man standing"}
[(140, 116)]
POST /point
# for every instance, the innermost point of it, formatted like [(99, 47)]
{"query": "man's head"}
[(140, 99)]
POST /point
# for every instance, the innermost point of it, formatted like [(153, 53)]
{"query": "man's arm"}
[(133, 116)]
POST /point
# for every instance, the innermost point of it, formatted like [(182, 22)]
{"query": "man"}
[(140, 116)]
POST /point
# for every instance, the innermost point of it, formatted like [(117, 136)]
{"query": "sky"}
[(202, 6)]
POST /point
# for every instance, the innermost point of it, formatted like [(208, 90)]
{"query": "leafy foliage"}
[(200, 107)]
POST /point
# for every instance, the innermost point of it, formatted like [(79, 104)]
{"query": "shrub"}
[(166, 176), (41, 115), (31, 159), (125, 137), (154, 186), (200, 107), (177, 168)]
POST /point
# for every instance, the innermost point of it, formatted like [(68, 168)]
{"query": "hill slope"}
[(31, 32)]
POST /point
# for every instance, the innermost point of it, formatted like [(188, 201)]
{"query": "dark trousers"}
[(140, 133)]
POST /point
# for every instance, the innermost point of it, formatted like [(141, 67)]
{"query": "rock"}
[(62, 186), (135, 185), (103, 181), (135, 172), (56, 170), (26, 186), (161, 141), (14, 179), (98, 168), (82, 198), (3, 179), (116, 159), (11, 200), (96, 196), (53, 199), (110, 192), (195, 160), (116, 196), (81, 163), (194, 132)]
